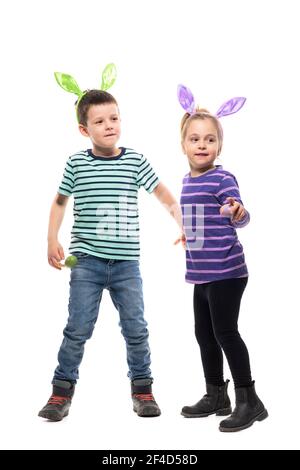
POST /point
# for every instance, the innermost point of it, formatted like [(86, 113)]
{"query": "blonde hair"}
[(201, 113)]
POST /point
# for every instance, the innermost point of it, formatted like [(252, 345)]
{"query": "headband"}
[(187, 101), (68, 83)]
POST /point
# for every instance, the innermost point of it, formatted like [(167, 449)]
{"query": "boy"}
[(105, 238)]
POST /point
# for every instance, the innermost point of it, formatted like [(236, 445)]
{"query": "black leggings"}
[(216, 308)]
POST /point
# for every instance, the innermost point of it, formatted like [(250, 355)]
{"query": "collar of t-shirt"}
[(96, 157)]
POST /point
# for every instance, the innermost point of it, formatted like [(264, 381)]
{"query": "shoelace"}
[(57, 400), (144, 396)]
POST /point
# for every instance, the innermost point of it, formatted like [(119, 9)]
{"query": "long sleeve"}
[(229, 188)]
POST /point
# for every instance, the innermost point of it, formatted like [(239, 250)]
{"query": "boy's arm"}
[(166, 198), (57, 212)]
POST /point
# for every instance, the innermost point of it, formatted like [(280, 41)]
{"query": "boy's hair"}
[(201, 114), (90, 98)]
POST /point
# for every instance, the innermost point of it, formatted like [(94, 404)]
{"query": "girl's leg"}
[(224, 298), (216, 400), (211, 353)]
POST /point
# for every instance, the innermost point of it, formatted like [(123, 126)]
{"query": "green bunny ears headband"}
[(68, 83)]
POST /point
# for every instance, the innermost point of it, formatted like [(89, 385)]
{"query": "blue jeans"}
[(88, 279)]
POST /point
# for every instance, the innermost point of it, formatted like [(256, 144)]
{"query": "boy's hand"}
[(55, 254), (237, 210), (182, 240)]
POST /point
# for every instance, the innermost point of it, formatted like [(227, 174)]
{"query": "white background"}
[(220, 50)]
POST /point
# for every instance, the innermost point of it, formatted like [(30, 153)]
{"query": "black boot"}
[(60, 401), (216, 401), (248, 409), (144, 403)]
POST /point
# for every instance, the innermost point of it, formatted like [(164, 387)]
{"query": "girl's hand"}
[(181, 239), (236, 210), (55, 254)]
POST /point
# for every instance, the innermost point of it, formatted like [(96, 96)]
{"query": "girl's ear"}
[(83, 130)]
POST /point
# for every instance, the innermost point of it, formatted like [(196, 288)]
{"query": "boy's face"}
[(103, 125), (201, 144)]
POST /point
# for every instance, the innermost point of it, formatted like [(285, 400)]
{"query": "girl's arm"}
[(240, 217), (231, 204)]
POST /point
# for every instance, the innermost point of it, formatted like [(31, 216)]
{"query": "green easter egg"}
[(71, 261)]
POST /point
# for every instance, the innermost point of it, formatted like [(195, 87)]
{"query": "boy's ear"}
[(83, 130)]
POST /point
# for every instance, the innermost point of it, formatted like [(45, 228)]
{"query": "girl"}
[(212, 210)]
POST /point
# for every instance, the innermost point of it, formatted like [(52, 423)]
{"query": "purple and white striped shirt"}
[(213, 251)]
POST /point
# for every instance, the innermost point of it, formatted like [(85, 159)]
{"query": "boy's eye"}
[(99, 122), (115, 119)]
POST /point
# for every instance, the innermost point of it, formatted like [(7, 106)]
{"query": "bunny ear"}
[(231, 107), (109, 76), (68, 83), (186, 99)]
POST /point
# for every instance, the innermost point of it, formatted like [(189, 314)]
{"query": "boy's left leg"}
[(127, 295)]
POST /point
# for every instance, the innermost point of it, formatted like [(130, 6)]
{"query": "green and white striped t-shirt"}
[(105, 189)]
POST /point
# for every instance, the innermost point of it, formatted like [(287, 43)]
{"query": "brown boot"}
[(59, 403), (144, 403)]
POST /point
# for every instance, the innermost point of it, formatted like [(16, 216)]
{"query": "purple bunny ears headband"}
[(187, 101)]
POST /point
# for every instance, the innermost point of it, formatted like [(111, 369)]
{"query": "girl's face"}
[(201, 145)]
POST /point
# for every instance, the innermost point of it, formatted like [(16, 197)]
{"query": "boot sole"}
[(222, 412), (147, 415), (263, 415), (52, 415)]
